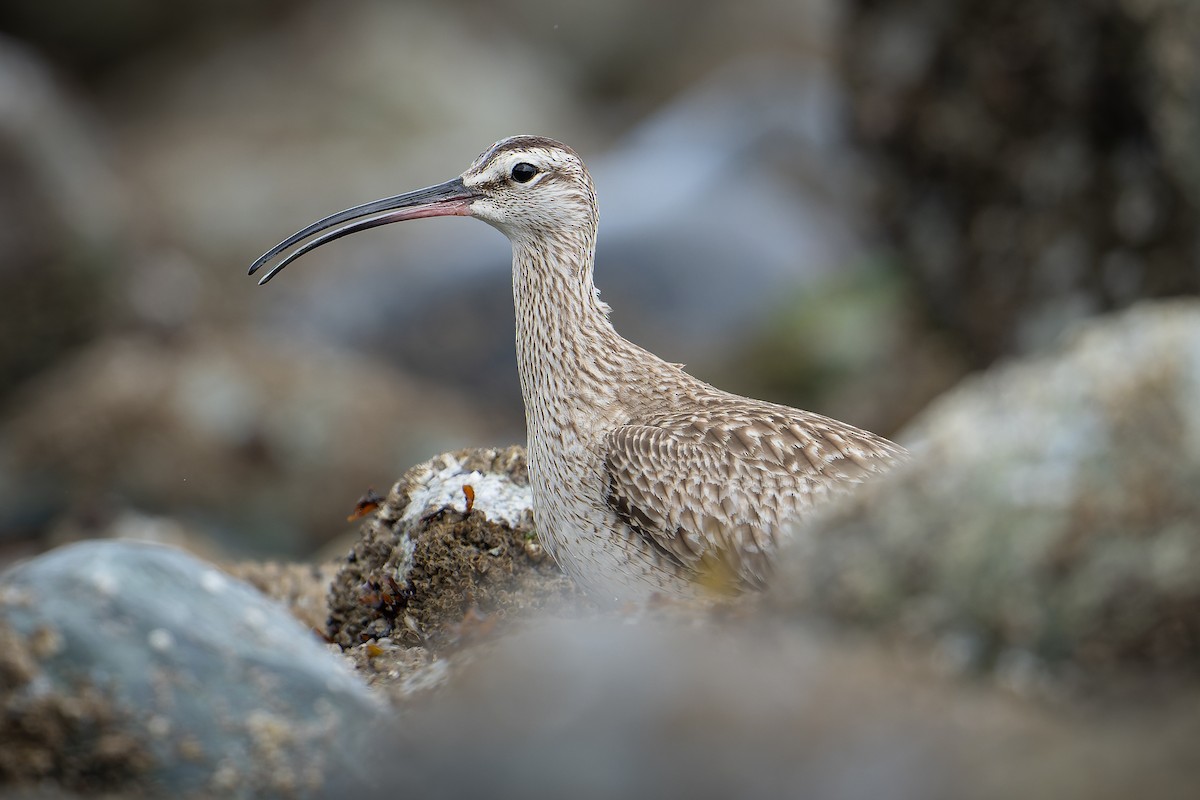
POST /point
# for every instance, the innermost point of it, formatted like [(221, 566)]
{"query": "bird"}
[(646, 481)]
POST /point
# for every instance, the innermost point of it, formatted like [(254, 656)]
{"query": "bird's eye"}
[(524, 172)]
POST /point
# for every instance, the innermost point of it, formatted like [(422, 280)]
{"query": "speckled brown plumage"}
[(714, 490), (645, 480)]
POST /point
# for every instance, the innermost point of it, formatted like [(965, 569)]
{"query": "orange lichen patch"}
[(366, 504)]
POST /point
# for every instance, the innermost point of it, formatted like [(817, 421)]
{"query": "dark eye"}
[(524, 172)]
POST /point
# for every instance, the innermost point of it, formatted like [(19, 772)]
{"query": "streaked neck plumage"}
[(567, 349)]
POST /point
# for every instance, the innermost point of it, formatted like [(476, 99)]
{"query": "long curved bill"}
[(451, 198)]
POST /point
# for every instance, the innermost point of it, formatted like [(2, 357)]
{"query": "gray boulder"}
[(1048, 519), (138, 668)]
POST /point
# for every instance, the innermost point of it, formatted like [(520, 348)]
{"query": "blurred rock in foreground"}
[(128, 665), (680, 706), (142, 672), (1049, 519)]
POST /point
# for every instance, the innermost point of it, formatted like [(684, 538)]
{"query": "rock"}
[(426, 563), (92, 44), (738, 700), (1172, 27), (672, 705), (1036, 162), (230, 153), (301, 587), (137, 668), (1047, 523), (61, 209), (241, 437)]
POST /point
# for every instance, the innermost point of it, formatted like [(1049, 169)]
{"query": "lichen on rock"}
[(430, 557)]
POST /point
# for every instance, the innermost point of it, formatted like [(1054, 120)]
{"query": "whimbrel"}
[(645, 480)]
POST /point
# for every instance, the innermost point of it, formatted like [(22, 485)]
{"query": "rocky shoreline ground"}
[(1015, 614)]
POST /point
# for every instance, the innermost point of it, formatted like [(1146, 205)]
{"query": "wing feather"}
[(713, 493)]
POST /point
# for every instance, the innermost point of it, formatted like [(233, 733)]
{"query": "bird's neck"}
[(568, 355)]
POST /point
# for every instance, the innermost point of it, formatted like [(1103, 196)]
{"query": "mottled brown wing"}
[(713, 493)]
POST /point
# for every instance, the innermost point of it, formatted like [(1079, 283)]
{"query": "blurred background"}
[(845, 206)]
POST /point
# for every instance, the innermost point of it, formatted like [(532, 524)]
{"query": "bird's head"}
[(528, 187)]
